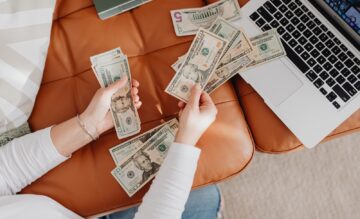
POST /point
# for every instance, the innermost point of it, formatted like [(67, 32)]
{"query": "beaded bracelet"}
[(83, 126)]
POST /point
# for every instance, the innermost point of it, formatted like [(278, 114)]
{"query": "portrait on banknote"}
[(143, 162)]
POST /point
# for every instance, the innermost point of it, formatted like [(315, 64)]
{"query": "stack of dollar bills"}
[(218, 52), (108, 68), (138, 160), (109, 8)]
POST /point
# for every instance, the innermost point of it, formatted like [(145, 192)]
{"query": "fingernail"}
[(197, 86)]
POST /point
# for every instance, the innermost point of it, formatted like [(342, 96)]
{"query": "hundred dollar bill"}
[(141, 167), (199, 65), (188, 21), (226, 72), (122, 151), (267, 47)]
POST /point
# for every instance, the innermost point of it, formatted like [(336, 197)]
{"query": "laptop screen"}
[(346, 13)]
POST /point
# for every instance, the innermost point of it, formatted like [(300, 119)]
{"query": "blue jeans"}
[(203, 203)]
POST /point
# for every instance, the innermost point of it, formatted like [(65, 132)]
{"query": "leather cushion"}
[(84, 183)]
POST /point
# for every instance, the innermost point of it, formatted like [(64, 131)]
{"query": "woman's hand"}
[(195, 116), (97, 116)]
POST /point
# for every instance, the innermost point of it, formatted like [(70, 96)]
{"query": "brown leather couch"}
[(84, 183)]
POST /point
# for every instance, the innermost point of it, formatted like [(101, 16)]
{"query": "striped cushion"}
[(25, 27)]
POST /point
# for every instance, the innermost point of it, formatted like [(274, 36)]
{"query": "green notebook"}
[(109, 8)]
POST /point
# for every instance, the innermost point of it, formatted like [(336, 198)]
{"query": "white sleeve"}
[(171, 188), (25, 159)]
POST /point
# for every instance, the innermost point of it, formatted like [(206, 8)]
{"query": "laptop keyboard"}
[(316, 51)]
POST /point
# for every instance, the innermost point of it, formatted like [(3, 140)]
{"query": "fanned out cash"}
[(141, 165), (121, 152), (241, 53), (188, 21), (108, 68), (199, 64)]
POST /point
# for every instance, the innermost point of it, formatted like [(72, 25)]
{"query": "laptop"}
[(317, 86)]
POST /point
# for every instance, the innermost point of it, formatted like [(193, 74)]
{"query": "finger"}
[(138, 105), (136, 98), (116, 86), (181, 112), (135, 83), (195, 95), (181, 104), (134, 91), (205, 99)]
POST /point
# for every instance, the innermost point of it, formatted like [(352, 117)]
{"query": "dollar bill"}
[(123, 151), (14, 133), (188, 21), (200, 63), (226, 72), (141, 167), (267, 47), (176, 66)]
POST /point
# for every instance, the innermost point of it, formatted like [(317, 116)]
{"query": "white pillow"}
[(25, 27)]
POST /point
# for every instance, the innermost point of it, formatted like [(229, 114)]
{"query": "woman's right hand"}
[(195, 116)]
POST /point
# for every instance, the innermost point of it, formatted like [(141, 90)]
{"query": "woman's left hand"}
[(97, 115)]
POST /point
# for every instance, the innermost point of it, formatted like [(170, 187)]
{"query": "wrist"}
[(89, 126), (188, 139)]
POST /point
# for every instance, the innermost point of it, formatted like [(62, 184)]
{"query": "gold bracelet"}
[(84, 128)]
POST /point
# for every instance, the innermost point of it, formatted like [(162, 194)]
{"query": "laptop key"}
[(320, 46), (323, 91), (317, 31), (302, 40), (286, 1), (352, 78), (274, 24), (260, 22), (254, 16), (298, 2), (317, 21), (307, 33), (301, 27), (315, 53), (341, 93), (323, 37), (318, 83), (299, 49), (277, 3), (357, 61), (289, 14), (281, 30), (331, 96), (330, 82), (295, 21), (295, 58), (357, 85), (324, 75), (311, 15), (339, 65), (349, 63), (292, 6), (343, 47), (296, 34), (265, 14), (337, 41), (284, 22), (326, 52), (336, 105), (350, 54), (331, 35), (355, 69), (329, 44), (311, 62), (314, 40), (266, 27), (321, 59), (345, 72), (305, 55), (342, 56), (332, 59), (323, 27), (336, 50), (304, 8), (334, 73), (318, 68), (298, 12), (310, 25), (287, 36), (293, 43), (283, 8), (349, 89), (311, 75), (340, 79), (290, 28), (304, 18), (327, 66), (270, 7)]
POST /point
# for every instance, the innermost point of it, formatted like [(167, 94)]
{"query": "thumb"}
[(117, 85), (195, 95)]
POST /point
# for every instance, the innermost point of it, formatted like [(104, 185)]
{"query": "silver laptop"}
[(317, 86)]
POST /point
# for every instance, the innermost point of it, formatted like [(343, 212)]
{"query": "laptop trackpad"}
[(275, 82)]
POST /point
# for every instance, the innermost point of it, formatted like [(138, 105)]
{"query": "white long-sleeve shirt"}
[(25, 159)]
